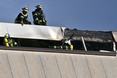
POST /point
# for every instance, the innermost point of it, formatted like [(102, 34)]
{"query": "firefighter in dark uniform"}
[(22, 17), (8, 41), (38, 16)]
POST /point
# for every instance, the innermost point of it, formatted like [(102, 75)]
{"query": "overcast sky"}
[(99, 15)]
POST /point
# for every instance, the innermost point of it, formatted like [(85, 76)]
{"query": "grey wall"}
[(22, 64)]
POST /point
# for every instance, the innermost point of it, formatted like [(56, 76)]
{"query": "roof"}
[(55, 33), (93, 36)]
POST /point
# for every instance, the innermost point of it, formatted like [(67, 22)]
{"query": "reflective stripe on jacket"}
[(38, 17), (21, 18), (9, 42)]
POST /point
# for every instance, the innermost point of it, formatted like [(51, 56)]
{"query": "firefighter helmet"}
[(7, 35), (25, 9), (39, 6)]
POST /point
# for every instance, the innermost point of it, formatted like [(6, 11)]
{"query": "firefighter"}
[(8, 41), (38, 16), (68, 44), (22, 17)]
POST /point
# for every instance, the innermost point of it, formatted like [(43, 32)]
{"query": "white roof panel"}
[(31, 31), (114, 33)]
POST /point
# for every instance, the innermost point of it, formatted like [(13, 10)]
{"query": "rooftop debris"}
[(93, 36)]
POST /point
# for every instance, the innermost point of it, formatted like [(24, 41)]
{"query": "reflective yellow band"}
[(54, 47), (25, 15), (21, 22), (21, 17), (36, 19), (40, 20), (61, 47), (6, 44), (67, 47), (11, 45), (38, 14), (71, 47), (15, 43), (43, 20), (35, 14), (11, 41), (5, 40)]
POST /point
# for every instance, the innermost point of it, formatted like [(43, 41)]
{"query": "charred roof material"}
[(93, 36)]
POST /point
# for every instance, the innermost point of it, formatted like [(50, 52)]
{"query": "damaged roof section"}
[(93, 36), (55, 33)]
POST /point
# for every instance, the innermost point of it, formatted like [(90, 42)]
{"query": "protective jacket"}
[(38, 17), (22, 18), (9, 42), (70, 47)]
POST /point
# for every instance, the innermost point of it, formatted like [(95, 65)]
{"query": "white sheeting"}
[(114, 33), (31, 31), (3, 29)]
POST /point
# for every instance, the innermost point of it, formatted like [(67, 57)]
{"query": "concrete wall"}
[(24, 64)]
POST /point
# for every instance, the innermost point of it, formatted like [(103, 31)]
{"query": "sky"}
[(94, 15)]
